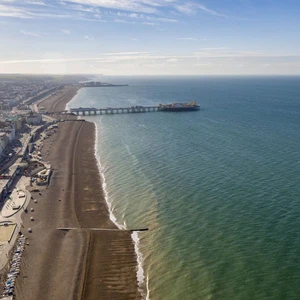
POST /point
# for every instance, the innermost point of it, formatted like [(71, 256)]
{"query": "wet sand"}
[(81, 263)]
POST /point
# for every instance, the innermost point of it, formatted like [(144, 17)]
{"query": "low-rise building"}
[(34, 119), (4, 140), (18, 122)]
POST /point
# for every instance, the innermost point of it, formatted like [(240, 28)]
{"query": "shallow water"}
[(218, 188)]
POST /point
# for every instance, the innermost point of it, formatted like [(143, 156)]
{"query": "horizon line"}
[(170, 75)]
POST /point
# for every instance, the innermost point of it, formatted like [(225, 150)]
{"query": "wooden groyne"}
[(101, 229)]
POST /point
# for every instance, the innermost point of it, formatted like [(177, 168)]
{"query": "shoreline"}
[(142, 286), (92, 264), (103, 180), (134, 235)]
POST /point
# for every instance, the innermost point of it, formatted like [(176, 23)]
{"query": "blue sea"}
[(218, 188)]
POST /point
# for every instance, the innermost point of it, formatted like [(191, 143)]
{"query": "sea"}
[(218, 188)]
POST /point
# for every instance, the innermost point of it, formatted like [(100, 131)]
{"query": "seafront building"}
[(33, 118), (7, 135), (18, 122), (3, 141)]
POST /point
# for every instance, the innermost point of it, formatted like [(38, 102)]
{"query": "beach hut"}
[(31, 219), (31, 209), (29, 230)]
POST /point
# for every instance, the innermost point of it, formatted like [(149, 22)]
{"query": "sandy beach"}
[(58, 101), (80, 263)]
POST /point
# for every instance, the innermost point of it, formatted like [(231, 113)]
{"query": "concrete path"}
[(14, 203), (5, 247)]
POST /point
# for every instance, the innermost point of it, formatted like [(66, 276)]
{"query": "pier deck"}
[(117, 110)]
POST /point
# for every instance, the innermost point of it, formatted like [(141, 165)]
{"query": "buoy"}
[(31, 209), (35, 201), (29, 230), (31, 219)]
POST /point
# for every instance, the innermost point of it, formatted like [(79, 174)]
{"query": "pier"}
[(83, 111)]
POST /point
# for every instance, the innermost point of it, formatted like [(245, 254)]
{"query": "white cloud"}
[(65, 31), (219, 52), (124, 21), (146, 18), (129, 5), (172, 60), (34, 34), (125, 53), (146, 6), (84, 8), (134, 39), (187, 39), (20, 12), (52, 16), (191, 8), (123, 59), (37, 3), (139, 63), (87, 37), (214, 48), (109, 56), (146, 56), (25, 13), (149, 23), (14, 12), (148, 12)]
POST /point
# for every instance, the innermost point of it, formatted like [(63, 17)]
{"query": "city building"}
[(33, 118), (4, 140)]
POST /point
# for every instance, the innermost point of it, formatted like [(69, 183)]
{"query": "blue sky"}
[(147, 37)]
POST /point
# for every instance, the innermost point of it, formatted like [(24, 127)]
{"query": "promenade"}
[(15, 198), (10, 218)]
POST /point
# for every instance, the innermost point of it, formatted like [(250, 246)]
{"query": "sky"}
[(150, 37)]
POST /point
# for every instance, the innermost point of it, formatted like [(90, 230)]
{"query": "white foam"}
[(147, 288), (104, 185), (140, 271)]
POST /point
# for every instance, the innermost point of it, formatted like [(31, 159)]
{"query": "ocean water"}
[(219, 188)]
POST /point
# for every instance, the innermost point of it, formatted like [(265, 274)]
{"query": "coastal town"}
[(39, 198), (23, 127)]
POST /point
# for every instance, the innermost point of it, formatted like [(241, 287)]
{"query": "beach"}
[(80, 263), (58, 100)]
